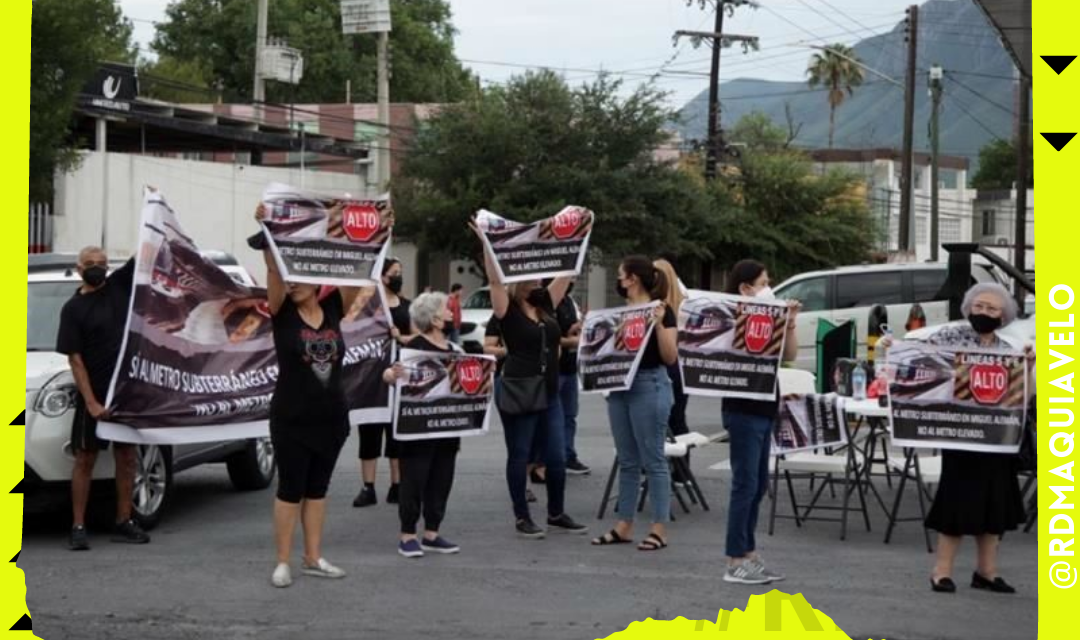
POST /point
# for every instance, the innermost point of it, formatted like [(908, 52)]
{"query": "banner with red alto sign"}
[(809, 422), (957, 398), (612, 344), (443, 395), (324, 239), (550, 248), (731, 346)]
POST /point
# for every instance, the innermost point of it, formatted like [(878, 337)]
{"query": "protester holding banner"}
[(308, 414), (528, 393), (92, 325), (569, 317), (639, 416), (749, 424), (427, 466), (979, 494), (675, 297), (372, 436)]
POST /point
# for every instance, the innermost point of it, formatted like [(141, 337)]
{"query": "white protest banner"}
[(809, 422), (957, 398), (443, 395), (327, 239), (549, 248), (731, 346), (612, 344), (197, 362)]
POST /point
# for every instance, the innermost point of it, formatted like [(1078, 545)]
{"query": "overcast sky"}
[(633, 36)]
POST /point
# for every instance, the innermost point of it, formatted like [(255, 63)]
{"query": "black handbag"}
[(518, 396)]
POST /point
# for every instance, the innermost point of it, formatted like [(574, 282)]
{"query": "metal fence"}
[(41, 228)]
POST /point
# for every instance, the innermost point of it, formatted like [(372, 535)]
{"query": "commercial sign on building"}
[(114, 86)]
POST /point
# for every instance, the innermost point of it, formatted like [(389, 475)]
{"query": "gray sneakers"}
[(746, 573), (759, 563)]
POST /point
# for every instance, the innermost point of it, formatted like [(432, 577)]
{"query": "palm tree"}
[(837, 69)]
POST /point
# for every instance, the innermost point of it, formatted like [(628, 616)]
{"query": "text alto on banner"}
[(549, 248), (612, 345), (443, 395), (324, 239), (731, 346)]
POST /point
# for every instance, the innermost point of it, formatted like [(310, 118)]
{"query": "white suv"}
[(50, 396), (848, 293)]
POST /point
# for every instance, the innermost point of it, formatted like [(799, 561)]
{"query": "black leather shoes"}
[(945, 585), (997, 585)]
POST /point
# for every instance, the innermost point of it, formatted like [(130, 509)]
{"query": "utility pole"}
[(1023, 138), (712, 147), (259, 93), (383, 94), (935, 159), (906, 217), (718, 39)]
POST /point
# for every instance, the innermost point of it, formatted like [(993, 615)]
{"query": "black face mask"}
[(94, 275), (984, 324), (394, 285), (537, 297), (621, 291)]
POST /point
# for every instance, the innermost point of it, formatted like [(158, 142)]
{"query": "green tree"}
[(758, 132), (836, 68), (527, 149), (172, 80), (218, 36), (997, 166), (67, 41)]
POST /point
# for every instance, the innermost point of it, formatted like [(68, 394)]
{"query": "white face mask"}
[(766, 294)]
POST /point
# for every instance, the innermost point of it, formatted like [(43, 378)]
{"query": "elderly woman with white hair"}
[(427, 466), (979, 494)]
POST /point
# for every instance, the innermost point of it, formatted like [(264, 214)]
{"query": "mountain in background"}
[(978, 98)]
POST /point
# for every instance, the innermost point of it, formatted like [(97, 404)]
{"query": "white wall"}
[(215, 201)]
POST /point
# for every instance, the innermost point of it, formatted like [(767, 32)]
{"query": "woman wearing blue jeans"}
[(750, 424), (639, 416), (526, 314)]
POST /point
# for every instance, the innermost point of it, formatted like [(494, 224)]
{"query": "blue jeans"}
[(546, 429), (751, 437), (639, 422), (568, 395)]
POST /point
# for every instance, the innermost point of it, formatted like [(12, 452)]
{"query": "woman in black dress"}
[(309, 418), (979, 493)]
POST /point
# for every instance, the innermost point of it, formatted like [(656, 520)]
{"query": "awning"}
[(1012, 20)]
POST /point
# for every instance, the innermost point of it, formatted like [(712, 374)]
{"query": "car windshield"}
[(478, 300), (44, 300)]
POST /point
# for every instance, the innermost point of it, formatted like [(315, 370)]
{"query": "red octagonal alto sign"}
[(361, 222), (471, 375), (634, 333), (759, 330), (989, 382), (566, 223)]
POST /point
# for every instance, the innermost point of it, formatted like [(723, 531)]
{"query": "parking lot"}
[(206, 574)]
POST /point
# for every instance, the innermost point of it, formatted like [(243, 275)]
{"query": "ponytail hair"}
[(653, 280)]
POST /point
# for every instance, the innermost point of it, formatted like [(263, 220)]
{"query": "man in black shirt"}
[(570, 325), (91, 333)]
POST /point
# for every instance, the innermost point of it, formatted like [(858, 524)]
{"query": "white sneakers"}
[(323, 569), (282, 576)]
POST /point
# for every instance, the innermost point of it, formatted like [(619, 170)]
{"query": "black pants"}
[(371, 441), (303, 473), (427, 475)]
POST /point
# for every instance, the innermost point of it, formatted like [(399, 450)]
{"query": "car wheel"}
[(254, 467), (153, 484)]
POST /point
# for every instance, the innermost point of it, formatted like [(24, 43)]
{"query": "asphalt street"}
[(206, 573)]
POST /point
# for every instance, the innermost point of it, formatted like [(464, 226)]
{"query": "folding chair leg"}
[(774, 497), (847, 501), (791, 492), (681, 466), (607, 490), (678, 496), (899, 497), (862, 501), (694, 487)]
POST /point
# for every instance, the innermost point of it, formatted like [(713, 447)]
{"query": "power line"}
[(980, 95)]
